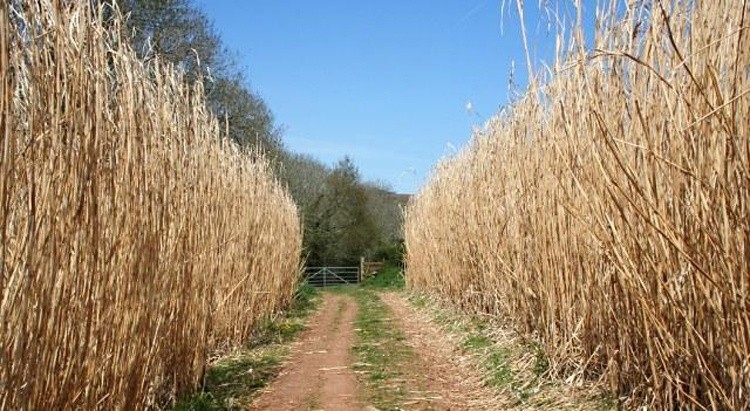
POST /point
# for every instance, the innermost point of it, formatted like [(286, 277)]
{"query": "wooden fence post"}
[(361, 268)]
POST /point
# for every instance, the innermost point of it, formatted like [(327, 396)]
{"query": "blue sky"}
[(386, 82)]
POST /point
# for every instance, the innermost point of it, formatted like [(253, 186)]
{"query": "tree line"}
[(344, 217)]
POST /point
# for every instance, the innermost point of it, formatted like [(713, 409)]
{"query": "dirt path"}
[(448, 380), (318, 376), (403, 357)]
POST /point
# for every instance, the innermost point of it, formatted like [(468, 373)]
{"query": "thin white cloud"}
[(471, 13), (410, 172)]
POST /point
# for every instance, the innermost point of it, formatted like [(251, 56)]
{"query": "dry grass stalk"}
[(607, 212), (134, 238)]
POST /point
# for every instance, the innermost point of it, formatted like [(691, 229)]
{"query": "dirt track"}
[(318, 376), (451, 382)]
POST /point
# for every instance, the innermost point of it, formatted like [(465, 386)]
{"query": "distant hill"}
[(400, 199)]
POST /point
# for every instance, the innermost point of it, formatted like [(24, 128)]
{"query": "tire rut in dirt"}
[(317, 375), (448, 382)]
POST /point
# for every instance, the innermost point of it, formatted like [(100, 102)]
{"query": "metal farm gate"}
[(327, 276)]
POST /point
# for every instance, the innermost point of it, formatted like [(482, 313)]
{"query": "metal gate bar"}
[(327, 276)]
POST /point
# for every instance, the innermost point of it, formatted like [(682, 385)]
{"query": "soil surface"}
[(318, 374), (436, 374), (449, 380)]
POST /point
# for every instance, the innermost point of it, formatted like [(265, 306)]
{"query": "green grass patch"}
[(474, 331), (280, 331), (503, 363), (494, 358), (417, 300), (541, 363), (232, 382), (496, 363), (388, 278), (476, 342), (380, 352)]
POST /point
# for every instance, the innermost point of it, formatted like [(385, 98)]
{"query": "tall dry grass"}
[(135, 238), (606, 214)]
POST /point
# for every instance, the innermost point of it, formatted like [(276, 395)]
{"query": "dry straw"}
[(134, 239), (606, 213)]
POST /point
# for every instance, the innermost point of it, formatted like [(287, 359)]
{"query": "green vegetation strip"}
[(495, 358), (509, 364), (380, 353), (232, 381)]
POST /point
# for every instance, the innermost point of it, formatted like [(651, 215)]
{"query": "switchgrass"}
[(233, 380), (606, 212), (134, 238)]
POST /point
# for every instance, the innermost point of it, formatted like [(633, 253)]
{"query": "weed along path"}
[(367, 349), (451, 381), (318, 375), (374, 348)]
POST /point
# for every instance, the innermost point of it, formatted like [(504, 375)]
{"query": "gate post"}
[(361, 269)]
